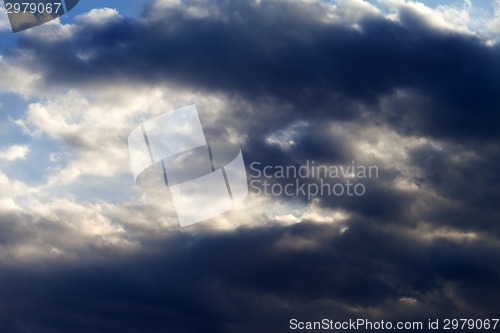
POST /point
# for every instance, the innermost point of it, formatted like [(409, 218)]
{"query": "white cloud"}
[(8, 204), (16, 79), (14, 189), (494, 24), (15, 152), (52, 31), (100, 16), (444, 17), (92, 129), (350, 11)]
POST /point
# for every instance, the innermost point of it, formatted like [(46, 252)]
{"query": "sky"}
[(409, 87)]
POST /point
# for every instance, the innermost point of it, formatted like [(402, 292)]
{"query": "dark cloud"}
[(256, 280)]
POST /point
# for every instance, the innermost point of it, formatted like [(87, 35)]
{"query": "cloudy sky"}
[(410, 87)]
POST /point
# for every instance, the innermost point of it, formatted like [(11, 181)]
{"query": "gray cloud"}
[(246, 281)]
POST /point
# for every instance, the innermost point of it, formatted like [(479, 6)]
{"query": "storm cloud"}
[(290, 82)]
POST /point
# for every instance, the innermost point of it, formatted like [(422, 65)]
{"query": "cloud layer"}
[(405, 88)]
